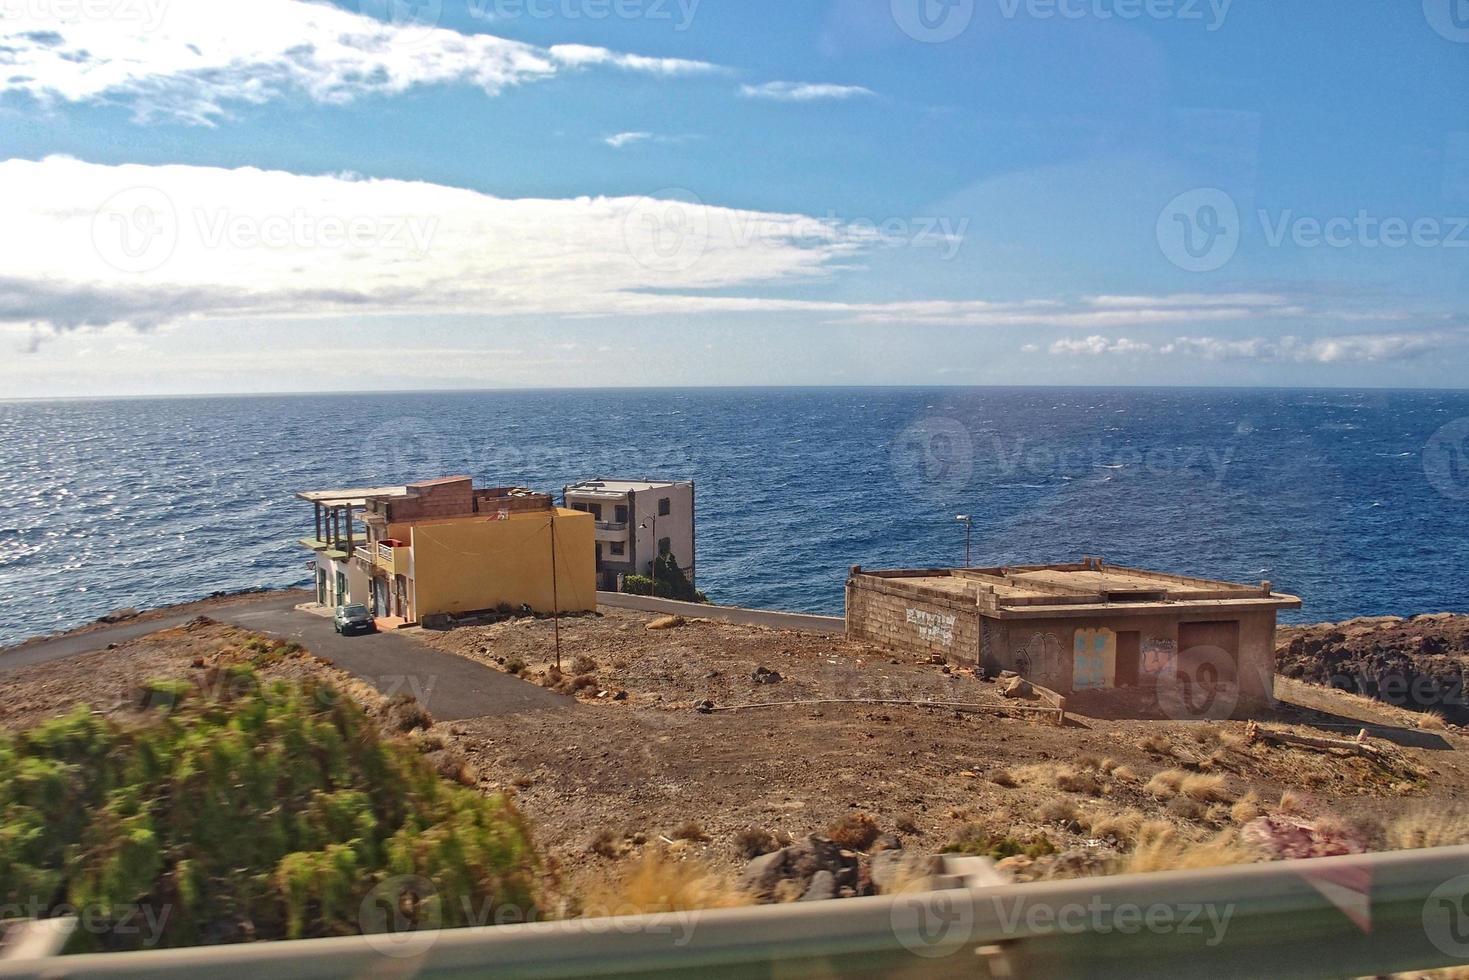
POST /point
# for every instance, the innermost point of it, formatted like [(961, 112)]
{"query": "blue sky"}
[(639, 192)]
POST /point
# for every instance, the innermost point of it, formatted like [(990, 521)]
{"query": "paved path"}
[(452, 688)]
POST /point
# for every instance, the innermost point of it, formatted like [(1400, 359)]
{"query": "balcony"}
[(611, 531), (393, 557)]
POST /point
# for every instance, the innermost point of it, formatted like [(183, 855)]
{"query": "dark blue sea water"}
[(1354, 500)]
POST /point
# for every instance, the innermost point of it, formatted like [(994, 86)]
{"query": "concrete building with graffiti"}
[(1087, 627)]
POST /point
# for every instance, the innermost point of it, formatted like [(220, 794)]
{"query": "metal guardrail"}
[(1327, 917)]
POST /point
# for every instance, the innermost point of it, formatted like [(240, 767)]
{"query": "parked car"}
[(354, 619)]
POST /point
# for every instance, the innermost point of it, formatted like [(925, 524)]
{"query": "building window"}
[(621, 514), (597, 511), (618, 548), (665, 507), (665, 545)]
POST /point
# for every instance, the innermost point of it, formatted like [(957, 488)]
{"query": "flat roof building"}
[(1080, 627), (638, 520)]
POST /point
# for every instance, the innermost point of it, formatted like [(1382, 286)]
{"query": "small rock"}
[(1017, 687), (620, 696), (823, 887), (704, 707), (764, 675)]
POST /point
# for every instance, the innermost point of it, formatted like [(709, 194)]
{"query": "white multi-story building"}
[(637, 520)]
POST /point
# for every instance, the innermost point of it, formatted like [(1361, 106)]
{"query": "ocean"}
[(1354, 500)]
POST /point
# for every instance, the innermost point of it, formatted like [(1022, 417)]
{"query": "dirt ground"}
[(606, 777), (647, 766)]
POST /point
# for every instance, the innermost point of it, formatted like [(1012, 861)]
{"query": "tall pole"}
[(968, 523), (555, 593), (653, 524)]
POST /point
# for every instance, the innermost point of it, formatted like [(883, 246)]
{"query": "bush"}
[(583, 665), (855, 832), (267, 812), (672, 583), (975, 840), (753, 842)]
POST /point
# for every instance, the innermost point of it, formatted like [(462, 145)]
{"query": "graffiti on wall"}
[(933, 627), (993, 639), (1040, 659), (1159, 655), (1094, 660)]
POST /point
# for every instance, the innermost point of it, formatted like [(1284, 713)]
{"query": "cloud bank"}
[(190, 60)]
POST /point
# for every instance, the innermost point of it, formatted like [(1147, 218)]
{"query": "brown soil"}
[(621, 774), (643, 768)]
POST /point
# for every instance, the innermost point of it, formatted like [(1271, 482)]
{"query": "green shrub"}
[(672, 583), (261, 811), (976, 841)]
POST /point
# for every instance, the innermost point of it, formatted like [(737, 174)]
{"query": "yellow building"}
[(442, 547)]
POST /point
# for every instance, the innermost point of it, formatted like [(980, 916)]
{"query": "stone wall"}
[(898, 619)]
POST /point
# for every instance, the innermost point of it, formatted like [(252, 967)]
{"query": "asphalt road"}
[(452, 688)]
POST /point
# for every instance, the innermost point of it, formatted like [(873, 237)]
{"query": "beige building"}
[(637, 520), (1079, 628), (445, 547)]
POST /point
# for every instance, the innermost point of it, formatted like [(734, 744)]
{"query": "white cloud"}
[(189, 60), (1097, 345), (619, 140), (803, 91), (94, 245), (1343, 349)]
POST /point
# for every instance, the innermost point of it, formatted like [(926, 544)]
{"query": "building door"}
[(321, 586), (1094, 660), (341, 589), (1129, 657)]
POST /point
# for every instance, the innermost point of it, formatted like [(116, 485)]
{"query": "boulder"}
[(1017, 687), (800, 864), (822, 888), (666, 623), (764, 675)]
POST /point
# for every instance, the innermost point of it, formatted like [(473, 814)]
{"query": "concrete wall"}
[(477, 564), (677, 526), (924, 626)]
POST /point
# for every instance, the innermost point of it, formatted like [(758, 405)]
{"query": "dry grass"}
[(1162, 847), (1156, 743), (1205, 789), (662, 883), (1293, 802), (1005, 778), (1428, 828), (753, 842), (1432, 721), (1166, 784), (1124, 774), (691, 831), (1073, 781), (1058, 811), (1121, 826), (1246, 808)]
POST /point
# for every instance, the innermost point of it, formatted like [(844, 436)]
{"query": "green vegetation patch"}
[(238, 810), (977, 842)]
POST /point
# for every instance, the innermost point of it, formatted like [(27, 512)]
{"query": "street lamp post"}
[(968, 523), (652, 525)]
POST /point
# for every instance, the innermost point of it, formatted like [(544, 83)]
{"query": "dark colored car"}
[(354, 619)]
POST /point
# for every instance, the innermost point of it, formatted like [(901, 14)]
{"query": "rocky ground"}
[(1417, 663), (629, 767)]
